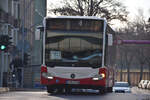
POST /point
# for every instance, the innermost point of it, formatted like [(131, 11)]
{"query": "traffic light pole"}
[(23, 39), (2, 69)]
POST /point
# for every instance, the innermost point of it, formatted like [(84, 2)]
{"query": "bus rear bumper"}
[(79, 86), (86, 83)]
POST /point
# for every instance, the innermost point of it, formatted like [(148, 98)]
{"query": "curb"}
[(6, 89), (25, 89)]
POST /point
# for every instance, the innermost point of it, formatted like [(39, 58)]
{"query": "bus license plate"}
[(72, 82)]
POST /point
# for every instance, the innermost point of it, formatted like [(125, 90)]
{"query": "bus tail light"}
[(43, 69), (99, 77), (45, 74), (102, 75)]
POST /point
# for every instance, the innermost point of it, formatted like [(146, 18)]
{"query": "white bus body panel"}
[(80, 72)]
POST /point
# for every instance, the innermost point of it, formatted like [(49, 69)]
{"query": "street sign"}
[(37, 34), (110, 40)]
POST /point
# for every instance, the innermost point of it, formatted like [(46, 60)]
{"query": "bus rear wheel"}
[(50, 90), (102, 90), (68, 90)]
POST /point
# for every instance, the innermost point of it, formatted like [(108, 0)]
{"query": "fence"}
[(134, 76), (31, 77)]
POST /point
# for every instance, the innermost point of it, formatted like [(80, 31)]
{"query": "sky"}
[(131, 5), (134, 5)]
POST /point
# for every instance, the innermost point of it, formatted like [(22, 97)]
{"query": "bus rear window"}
[(75, 25)]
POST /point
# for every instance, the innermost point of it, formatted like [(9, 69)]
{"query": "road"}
[(43, 95)]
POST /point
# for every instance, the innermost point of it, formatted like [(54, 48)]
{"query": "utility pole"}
[(23, 34), (2, 68), (23, 39), (4, 47)]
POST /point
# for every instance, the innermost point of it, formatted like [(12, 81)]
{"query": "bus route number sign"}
[(55, 55)]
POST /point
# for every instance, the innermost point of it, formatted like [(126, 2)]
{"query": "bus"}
[(76, 54)]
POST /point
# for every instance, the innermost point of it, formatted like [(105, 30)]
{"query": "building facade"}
[(20, 19), (33, 12), (9, 25)]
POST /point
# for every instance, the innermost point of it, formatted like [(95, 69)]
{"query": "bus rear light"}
[(47, 75), (102, 72), (102, 75), (98, 77), (50, 77), (43, 69), (95, 78)]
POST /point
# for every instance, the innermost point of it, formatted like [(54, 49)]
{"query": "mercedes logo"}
[(72, 75)]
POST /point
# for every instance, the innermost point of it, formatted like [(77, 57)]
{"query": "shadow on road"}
[(78, 96)]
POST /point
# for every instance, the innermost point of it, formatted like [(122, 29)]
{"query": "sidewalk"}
[(26, 89), (4, 89), (136, 90)]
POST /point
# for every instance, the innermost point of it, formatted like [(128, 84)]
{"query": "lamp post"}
[(2, 57)]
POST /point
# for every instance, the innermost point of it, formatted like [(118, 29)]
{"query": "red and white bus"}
[(75, 53)]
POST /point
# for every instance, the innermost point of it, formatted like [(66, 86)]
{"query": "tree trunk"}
[(121, 74), (141, 72), (149, 71), (128, 71)]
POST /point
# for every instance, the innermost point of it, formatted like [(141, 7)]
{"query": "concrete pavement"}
[(39, 94), (136, 90), (43, 95)]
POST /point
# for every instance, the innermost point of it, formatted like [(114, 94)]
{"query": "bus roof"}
[(75, 17)]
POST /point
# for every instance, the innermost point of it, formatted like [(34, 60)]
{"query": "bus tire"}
[(68, 90), (50, 90), (102, 91)]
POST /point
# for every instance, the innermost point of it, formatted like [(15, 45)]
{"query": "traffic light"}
[(26, 58), (5, 42)]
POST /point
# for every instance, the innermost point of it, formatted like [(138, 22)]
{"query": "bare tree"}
[(126, 57), (140, 24), (148, 61), (121, 61), (148, 26), (141, 59), (121, 64), (128, 60), (110, 9), (137, 30)]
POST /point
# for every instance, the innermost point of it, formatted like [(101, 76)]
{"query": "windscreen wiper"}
[(77, 59), (68, 60)]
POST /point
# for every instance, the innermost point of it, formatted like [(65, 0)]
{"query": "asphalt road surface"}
[(43, 95)]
